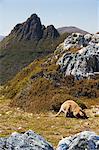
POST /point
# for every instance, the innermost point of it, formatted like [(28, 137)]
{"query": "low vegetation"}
[(16, 55), (14, 119), (41, 87)]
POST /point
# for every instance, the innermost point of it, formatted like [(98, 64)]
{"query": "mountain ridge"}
[(26, 42), (32, 29)]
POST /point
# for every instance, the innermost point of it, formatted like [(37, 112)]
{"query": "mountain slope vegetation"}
[(42, 87)]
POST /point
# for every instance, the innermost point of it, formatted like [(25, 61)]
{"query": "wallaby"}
[(72, 109)]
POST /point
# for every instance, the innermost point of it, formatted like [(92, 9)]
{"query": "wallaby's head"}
[(83, 115)]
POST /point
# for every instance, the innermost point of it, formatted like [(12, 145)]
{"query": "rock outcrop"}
[(82, 141), (50, 32), (26, 42), (79, 55), (27, 141), (32, 29)]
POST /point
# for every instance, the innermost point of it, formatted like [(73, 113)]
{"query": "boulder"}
[(85, 61), (77, 40), (86, 140), (26, 141)]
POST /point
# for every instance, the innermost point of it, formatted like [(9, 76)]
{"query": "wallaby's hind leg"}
[(66, 111)]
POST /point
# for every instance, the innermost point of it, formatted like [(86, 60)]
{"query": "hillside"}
[(27, 41), (32, 96), (71, 29), (71, 72)]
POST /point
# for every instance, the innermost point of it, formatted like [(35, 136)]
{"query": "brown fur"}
[(71, 109)]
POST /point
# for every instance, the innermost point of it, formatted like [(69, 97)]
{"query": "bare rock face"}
[(26, 42), (82, 141), (27, 141), (32, 29), (81, 63), (50, 32)]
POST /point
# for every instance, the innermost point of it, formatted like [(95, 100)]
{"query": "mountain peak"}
[(32, 29), (50, 32), (34, 15)]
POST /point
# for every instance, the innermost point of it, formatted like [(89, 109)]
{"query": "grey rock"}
[(84, 62), (86, 140), (27, 141), (32, 29), (77, 40), (50, 32)]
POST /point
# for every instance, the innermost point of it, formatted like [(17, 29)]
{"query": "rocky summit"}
[(32, 29), (26, 42), (27, 141), (86, 140), (79, 55)]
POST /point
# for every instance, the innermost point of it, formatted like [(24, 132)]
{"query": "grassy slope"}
[(34, 93)]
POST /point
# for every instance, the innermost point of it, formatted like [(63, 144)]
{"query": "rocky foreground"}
[(27, 141), (82, 141), (32, 141)]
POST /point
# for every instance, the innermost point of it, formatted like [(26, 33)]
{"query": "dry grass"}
[(28, 88), (51, 128)]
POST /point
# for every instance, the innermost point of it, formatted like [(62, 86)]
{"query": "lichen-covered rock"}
[(82, 141), (27, 141), (85, 61), (77, 40)]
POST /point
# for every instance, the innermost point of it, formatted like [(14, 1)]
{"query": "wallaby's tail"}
[(57, 113)]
